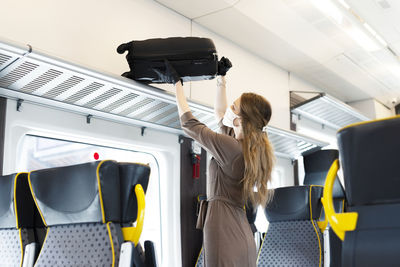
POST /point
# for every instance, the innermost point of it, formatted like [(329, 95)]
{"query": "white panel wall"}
[(373, 109), (367, 107), (382, 111), (298, 84)]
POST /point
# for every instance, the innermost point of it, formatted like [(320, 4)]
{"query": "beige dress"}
[(227, 236)]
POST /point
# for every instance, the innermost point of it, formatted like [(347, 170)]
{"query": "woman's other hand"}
[(224, 64)]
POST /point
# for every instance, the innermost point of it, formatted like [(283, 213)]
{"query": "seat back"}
[(251, 214), (293, 237), (80, 205), (89, 210), (316, 166), (16, 219), (131, 175), (369, 154)]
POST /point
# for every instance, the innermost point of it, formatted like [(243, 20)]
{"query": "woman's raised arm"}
[(181, 101), (220, 103)]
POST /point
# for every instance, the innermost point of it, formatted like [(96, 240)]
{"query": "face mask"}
[(229, 117)]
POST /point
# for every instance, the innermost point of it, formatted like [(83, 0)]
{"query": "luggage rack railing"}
[(45, 80)]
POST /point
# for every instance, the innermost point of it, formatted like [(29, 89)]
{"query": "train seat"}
[(17, 240), (369, 156), (293, 237), (316, 166), (85, 208)]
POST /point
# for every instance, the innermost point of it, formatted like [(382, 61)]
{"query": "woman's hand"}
[(223, 66), (169, 75)]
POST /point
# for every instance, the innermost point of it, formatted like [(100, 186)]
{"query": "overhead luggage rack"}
[(289, 144), (324, 109), (45, 80)]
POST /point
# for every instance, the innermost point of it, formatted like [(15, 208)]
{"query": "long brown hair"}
[(255, 112)]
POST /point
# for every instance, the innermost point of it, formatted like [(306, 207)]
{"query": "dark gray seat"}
[(131, 175), (370, 160), (80, 205), (85, 207), (16, 220), (293, 237), (316, 166)]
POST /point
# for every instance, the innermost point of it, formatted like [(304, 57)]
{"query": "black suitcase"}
[(193, 58)]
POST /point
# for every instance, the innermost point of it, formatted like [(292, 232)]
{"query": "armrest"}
[(131, 255), (150, 254), (30, 255), (340, 222), (133, 233)]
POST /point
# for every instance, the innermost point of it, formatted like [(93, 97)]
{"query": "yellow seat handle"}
[(133, 233), (323, 224), (340, 222)]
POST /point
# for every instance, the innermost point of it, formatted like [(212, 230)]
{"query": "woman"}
[(239, 170)]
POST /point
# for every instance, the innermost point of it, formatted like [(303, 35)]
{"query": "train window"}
[(38, 152)]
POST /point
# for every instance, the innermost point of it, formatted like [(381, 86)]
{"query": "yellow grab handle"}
[(340, 222), (133, 233)]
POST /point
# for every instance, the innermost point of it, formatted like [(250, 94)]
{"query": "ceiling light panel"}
[(356, 29)]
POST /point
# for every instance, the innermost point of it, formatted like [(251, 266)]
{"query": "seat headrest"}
[(131, 174), (17, 208), (369, 154), (83, 193), (7, 209), (316, 166), (295, 203)]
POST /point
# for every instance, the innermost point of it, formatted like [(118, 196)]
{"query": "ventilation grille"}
[(328, 111), (291, 143), (40, 75), (53, 82), (4, 60), (40, 81), (87, 90), (16, 74), (123, 100)]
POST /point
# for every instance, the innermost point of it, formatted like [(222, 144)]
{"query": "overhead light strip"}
[(363, 35)]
